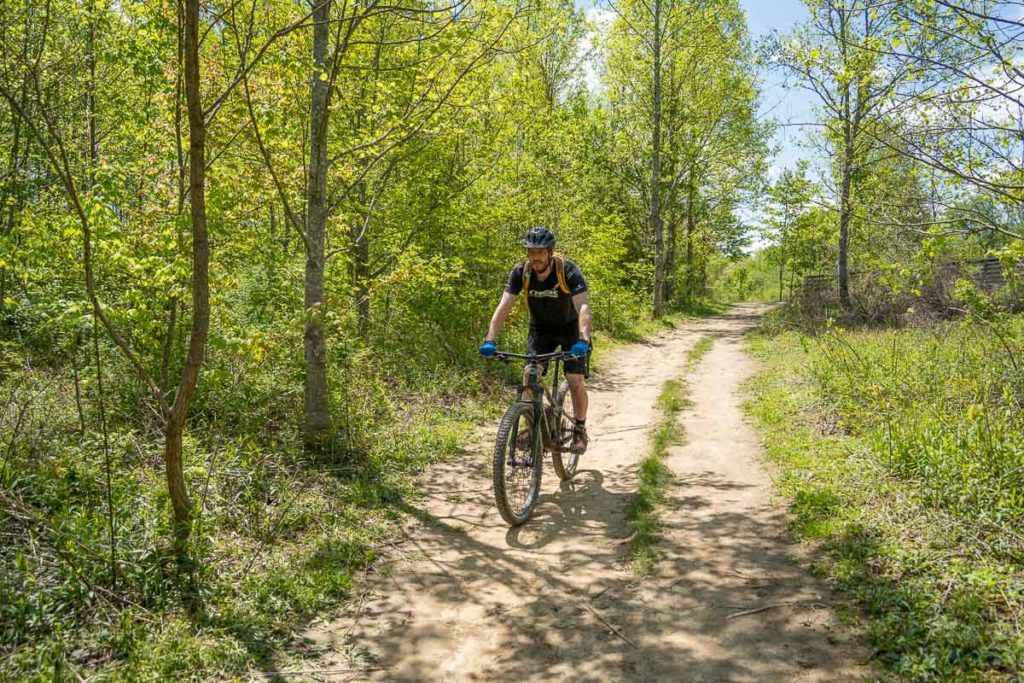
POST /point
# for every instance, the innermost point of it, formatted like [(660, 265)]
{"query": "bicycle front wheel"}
[(518, 463)]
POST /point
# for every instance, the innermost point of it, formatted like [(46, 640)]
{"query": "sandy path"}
[(468, 599)]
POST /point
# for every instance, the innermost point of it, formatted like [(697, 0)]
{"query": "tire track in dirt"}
[(467, 599)]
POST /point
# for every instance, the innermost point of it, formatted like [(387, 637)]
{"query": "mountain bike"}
[(530, 426)]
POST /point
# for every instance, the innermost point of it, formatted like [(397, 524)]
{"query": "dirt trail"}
[(468, 599)]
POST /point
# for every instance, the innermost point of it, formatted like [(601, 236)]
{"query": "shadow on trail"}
[(539, 623), (581, 501), (716, 564)]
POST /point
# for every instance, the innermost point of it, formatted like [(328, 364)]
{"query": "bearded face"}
[(540, 258)]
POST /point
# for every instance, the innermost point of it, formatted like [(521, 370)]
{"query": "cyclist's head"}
[(539, 238), (539, 243)]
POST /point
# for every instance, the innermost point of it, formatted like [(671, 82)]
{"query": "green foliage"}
[(901, 451), (713, 143), (962, 385), (754, 277), (449, 134)]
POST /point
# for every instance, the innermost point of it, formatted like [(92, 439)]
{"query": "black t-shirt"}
[(551, 310)]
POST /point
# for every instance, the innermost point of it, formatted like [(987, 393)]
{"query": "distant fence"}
[(873, 299)]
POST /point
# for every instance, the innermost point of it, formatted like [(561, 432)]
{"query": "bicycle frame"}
[(538, 390)]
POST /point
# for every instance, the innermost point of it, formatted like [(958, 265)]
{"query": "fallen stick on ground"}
[(765, 608), (321, 672), (359, 613), (610, 627), (627, 539)]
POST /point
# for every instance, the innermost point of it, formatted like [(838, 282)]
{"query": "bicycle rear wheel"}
[(565, 462), (518, 464)]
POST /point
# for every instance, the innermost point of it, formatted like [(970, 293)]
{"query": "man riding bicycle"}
[(559, 305)]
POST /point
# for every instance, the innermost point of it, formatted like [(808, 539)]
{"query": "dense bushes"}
[(279, 537), (280, 534), (451, 130)]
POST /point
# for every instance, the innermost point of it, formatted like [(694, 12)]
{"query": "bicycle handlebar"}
[(533, 358)]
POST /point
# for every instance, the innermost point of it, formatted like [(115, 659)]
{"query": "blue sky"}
[(790, 105)]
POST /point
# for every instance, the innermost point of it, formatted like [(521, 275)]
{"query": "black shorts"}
[(539, 341)]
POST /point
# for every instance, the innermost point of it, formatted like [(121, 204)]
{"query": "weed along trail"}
[(465, 598)]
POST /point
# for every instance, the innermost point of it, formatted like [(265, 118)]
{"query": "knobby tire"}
[(517, 485)]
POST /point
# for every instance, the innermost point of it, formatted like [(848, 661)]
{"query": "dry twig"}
[(586, 605), (773, 605)]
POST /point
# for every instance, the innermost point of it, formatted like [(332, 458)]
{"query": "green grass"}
[(901, 453), (699, 350), (653, 475)]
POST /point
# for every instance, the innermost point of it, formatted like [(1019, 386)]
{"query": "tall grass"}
[(281, 537), (902, 451), (940, 407)]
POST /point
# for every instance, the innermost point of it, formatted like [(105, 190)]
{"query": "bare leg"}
[(579, 395)]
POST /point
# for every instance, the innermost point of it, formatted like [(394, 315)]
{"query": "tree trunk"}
[(360, 237), (317, 411), (780, 280), (845, 209), (655, 218), (670, 256), (846, 175), (361, 263), (272, 257), (14, 192), (782, 260), (689, 238), (93, 143), (175, 419), (174, 472), (90, 95), (362, 275)]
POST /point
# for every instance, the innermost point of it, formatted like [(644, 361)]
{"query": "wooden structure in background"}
[(817, 292)]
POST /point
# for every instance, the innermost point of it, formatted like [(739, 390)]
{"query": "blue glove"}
[(488, 349), (580, 348)]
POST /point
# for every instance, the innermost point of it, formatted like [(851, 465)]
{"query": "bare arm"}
[(582, 304), (500, 314)]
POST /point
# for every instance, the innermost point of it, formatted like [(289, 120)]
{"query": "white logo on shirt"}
[(545, 293)]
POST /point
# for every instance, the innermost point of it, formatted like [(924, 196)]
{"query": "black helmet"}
[(539, 238)]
